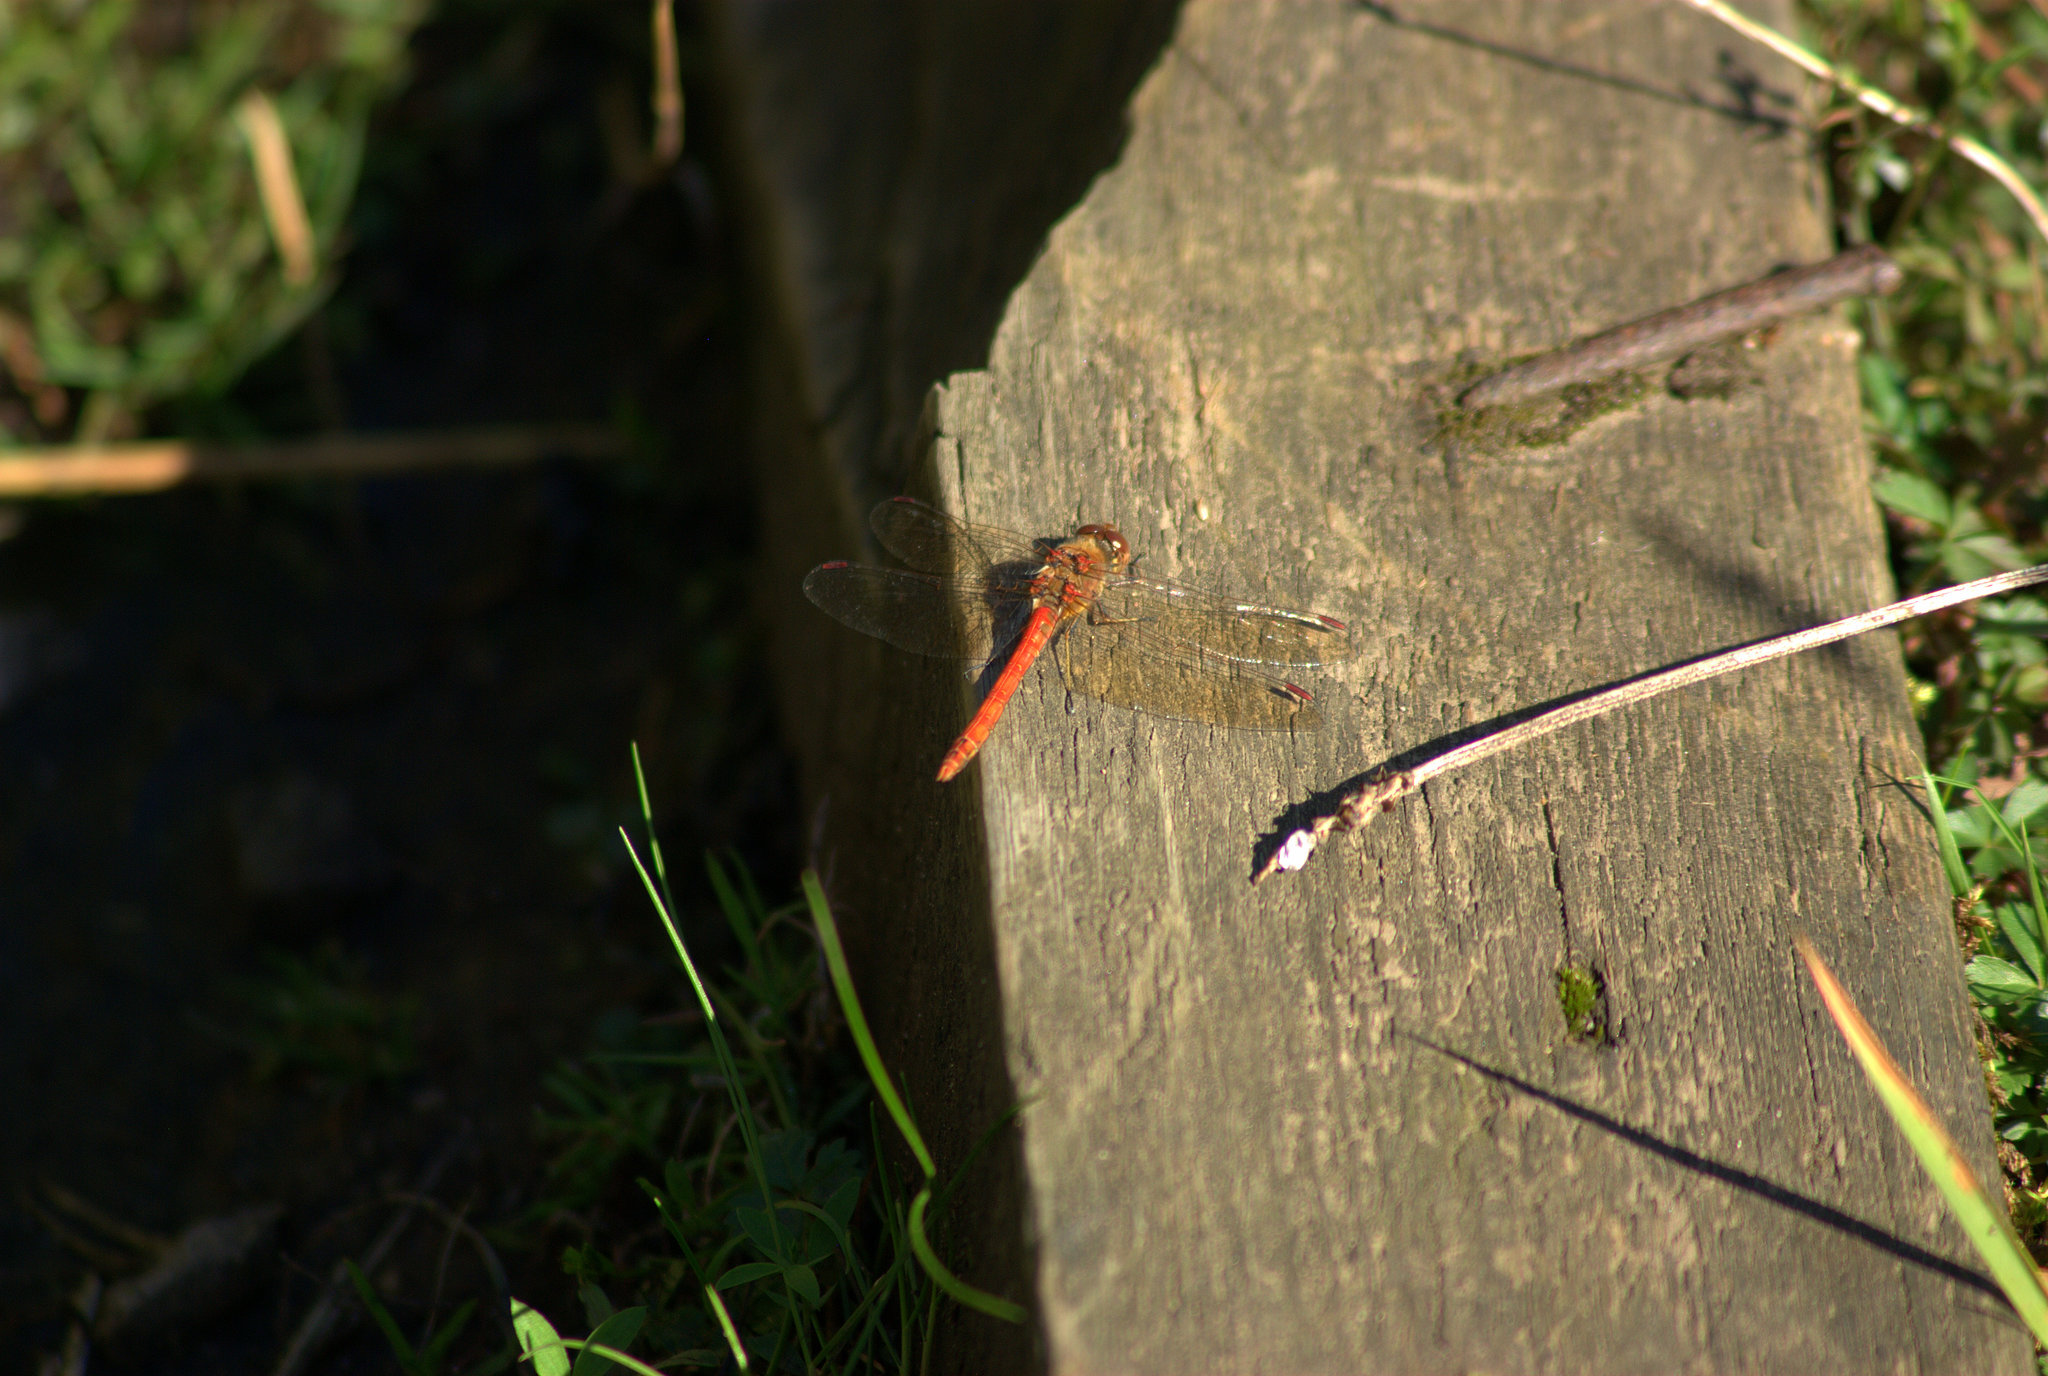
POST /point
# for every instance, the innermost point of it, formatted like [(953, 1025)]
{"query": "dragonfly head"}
[(1114, 546)]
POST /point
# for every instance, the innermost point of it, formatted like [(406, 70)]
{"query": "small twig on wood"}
[(2001, 171), (150, 466), (1383, 787), (1668, 334)]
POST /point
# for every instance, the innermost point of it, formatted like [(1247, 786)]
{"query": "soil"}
[(309, 869)]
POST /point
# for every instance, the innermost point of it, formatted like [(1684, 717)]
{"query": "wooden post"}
[(1338, 1122)]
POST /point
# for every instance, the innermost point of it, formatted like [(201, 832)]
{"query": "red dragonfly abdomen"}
[(1037, 635)]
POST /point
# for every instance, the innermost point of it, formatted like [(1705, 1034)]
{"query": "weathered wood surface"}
[(1335, 1123)]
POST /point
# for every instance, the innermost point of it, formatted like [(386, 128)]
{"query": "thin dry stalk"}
[(270, 151), (668, 87), (329, 1306), (1383, 787), (1961, 145), (149, 466)]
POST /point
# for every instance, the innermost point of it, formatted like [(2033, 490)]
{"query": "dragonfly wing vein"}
[(929, 540), (1217, 626), (1121, 665), (911, 611)]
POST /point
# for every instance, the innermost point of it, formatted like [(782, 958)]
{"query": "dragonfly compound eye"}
[(1119, 548)]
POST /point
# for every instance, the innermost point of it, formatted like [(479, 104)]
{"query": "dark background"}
[(361, 747)]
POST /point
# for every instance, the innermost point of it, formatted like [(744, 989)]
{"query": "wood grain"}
[(1336, 1123)]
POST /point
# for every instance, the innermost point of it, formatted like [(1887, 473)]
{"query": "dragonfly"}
[(980, 593)]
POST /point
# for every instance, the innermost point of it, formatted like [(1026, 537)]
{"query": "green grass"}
[(772, 1231), (136, 261), (1955, 387), (318, 1018)]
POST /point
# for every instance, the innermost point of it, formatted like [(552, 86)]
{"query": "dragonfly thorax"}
[(1076, 570)]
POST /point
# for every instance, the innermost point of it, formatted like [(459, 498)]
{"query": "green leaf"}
[(1912, 495), (2023, 802), (783, 1155), (804, 1281), (1999, 981), (817, 1241), (834, 1165), (1884, 393), (444, 1337), (1973, 826), (746, 1271), (2012, 1079), (841, 1205), (597, 1305), (761, 1231), (1977, 556), (618, 1331), (2017, 923), (539, 1341)]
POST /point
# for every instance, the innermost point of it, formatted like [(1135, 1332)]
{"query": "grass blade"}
[(668, 1221), (607, 1353), (653, 841), (992, 1305), (1984, 1220), (1945, 840), (365, 1292), (732, 1335), (857, 1023), (749, 1129), (675, 937), (738, 915), (2022, 846)]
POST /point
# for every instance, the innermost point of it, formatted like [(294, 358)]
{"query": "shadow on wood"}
[(899, 167), (1240, 1151)]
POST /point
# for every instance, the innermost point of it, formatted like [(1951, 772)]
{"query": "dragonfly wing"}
[(912, 611), (1218, 626), (1125, 665), (929, 540)]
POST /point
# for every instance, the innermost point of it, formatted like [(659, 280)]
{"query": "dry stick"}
[(1964, 147), (494, 1269), (277, 185), (319, 1324), (1864, 271), (668, 87), (68, 470), (1381, 789)]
